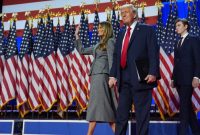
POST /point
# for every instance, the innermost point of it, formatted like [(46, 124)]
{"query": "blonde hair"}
[(108, 33)]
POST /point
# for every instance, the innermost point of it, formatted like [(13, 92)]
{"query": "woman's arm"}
[(79, 46), (110, 51), (81, 50)]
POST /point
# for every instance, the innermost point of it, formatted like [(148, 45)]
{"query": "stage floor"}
[(78, 127)]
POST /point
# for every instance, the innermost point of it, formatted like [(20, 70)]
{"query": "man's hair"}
[(184, 21), (134, 9)]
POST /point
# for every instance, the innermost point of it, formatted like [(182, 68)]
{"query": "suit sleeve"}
[(153, 52), (196, 55), (113, 70), (110, 51), (81, 50)]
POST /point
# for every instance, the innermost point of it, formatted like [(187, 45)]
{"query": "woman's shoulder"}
[(111, 41)]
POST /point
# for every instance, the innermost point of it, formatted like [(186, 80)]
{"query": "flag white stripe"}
[(42, 5)]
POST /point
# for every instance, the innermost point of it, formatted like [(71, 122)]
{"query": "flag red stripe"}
[(163, 94), (158, 103), (52, 71), (82, 72), (172, 97), (196, 96), (13, 2), (74, 84)]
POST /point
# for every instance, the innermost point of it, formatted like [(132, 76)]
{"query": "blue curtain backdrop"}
[(182, 13), (182, 10)]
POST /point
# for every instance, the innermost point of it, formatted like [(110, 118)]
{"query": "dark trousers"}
[(142, 102), (187, 115)]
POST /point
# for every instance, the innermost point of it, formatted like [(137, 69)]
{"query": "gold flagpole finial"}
[(143, 5), (87, 12), (73, 13), (83, 3), (96, 2), (14, 16), (135, 3), (2, 15), (27, 13), (41, 13), (117, 6), (159, 4), (67, 7), (48, 7), (108, 12)]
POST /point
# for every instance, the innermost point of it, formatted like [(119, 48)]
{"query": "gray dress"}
[(102, 102)]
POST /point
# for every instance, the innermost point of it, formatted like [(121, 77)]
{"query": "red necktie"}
[(125, 48)]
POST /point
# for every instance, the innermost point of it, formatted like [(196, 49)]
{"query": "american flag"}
[(57, 38), (194, 30), (95, 37), (23, 70), (2, 58), (84, 31), (82, 28), (64, 59), (48, 89), (169, 95), (34, 68), (78, 74), (115, 23), (8, 84), (88, 57), (73, 29), (159, 27), (57, 35), (193, 20), (79, 70), (157, 93)]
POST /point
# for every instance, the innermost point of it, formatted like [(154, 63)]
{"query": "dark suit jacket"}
[(142, 46), (186, 61)]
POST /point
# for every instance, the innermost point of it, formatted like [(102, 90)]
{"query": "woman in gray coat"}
[(101, 106)]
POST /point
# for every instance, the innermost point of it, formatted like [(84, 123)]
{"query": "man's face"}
[(181, 28), (127, 15)]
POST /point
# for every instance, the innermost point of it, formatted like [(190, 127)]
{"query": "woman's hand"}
[(112, 81)]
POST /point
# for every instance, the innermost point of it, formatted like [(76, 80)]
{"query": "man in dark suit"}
[(135, 71), (185, 75)]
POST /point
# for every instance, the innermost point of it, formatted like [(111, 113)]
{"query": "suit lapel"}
[(185, 41), (135, 32), (122, 37)]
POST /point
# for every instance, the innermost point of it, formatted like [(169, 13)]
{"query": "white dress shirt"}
[(132, 29)]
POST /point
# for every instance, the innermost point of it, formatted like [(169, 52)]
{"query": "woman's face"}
[(101, 31)]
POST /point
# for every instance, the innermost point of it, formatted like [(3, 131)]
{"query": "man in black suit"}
[(185, 75), (135, 71)]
